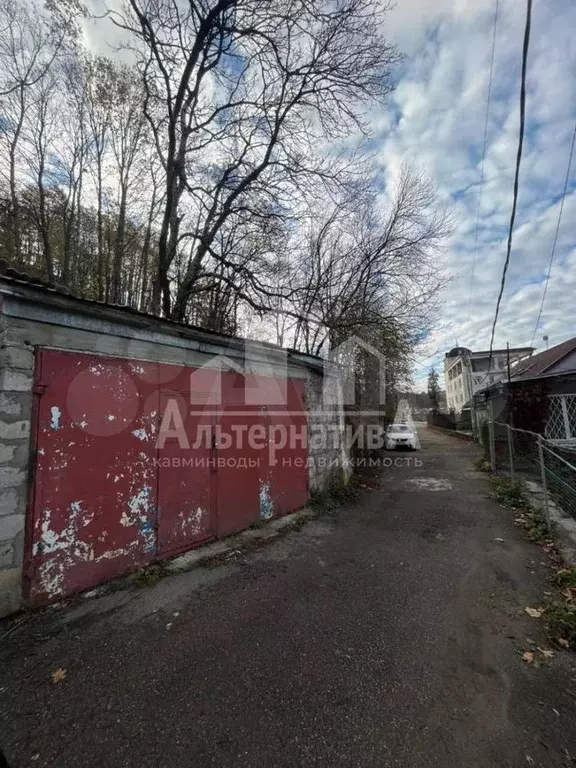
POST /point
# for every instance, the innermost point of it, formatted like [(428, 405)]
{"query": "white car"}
[(401, 436)]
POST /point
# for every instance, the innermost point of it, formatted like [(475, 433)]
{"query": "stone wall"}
[(16, 371), (32, 318), (327, 450)]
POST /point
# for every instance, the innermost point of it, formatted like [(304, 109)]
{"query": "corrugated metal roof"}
[(539, 364)]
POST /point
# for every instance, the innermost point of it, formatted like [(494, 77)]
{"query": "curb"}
[(237, 541), (453, 432), (563, 526)]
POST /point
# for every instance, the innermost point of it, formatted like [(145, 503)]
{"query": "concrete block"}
[(22, 454), (18, 548), (6, 554), (10, 590), (15, 430), (11, 477), (6, 453), (15, 381), (11, 526), (18, 357), (8, 502), (10, 405)]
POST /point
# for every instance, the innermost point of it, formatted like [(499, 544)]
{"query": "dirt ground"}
[(389, 633)]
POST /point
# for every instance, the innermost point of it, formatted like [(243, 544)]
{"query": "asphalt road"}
[(388, 634)]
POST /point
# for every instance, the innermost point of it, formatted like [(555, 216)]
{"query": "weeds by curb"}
[(559, 616)]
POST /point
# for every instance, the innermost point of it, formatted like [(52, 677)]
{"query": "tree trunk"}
[(116, 288)]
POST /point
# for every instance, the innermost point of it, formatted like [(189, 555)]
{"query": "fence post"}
[(543, 476), (492, 445), (510, 451)]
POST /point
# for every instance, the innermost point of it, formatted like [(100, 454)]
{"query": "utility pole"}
[(509, 397)]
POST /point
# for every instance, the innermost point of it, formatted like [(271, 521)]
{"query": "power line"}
[(517, 173), (556, 233), (483, 156)]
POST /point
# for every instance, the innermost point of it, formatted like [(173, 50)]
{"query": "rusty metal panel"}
[(95, 485), (241, 473), (257, 481), (124, 472), (187, 472), (289, 488)]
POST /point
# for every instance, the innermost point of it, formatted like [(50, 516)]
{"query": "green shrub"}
[(565, 577), (508, 494), (560, 617)]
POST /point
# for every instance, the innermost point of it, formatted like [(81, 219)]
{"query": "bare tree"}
[(224, 177), (127, 132), (240, 95), (371, 273), (71, 164), (29, 45), (99, 99), (42, 125)]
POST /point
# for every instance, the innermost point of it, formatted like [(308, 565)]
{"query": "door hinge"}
[(39, 389)]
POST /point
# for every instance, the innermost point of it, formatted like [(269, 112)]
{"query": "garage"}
[(108, 496)]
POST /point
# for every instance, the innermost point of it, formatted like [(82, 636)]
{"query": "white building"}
[(466, 372)]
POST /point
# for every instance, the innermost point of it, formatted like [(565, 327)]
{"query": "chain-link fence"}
[(524, 455)]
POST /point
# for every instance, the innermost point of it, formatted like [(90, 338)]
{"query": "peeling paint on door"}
[(55, 418), (266, 503), (107, 499), (90, 524)]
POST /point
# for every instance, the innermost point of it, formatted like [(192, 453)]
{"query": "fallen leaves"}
[(530, 656), (535, 613), (562, 642), (58, 675)]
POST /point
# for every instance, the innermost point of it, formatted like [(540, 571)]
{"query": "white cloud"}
[(440, 105), (435, 119)]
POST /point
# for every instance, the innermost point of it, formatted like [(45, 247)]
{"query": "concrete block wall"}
[(328, 457), (16, 376)]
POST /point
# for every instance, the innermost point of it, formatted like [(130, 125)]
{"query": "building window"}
[(561, 418)]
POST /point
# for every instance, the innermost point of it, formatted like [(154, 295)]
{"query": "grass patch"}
[(535, 525), (147, 577), (560, 618), (537, 528), (565, 577), (512, 496), (508, 494)]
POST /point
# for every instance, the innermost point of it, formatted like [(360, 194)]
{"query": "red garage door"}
[(109, 496)]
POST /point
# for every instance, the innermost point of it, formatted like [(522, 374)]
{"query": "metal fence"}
[(524, 455)]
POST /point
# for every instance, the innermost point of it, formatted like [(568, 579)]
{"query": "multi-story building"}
[(466, 372)]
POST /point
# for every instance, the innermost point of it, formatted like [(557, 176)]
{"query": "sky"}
[(435, 119)]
